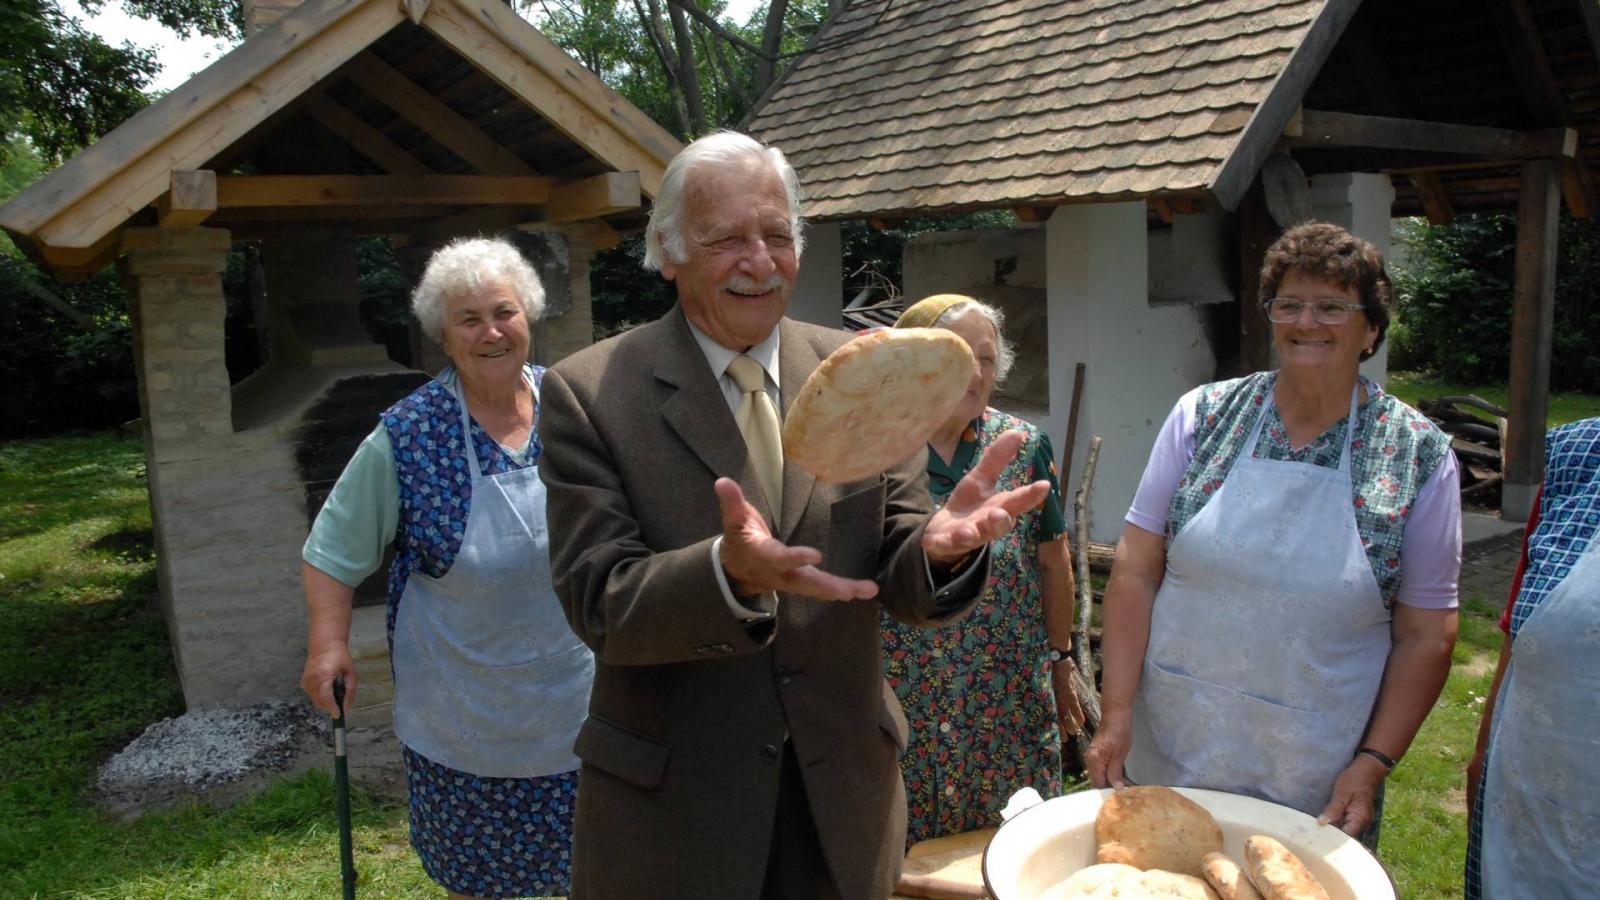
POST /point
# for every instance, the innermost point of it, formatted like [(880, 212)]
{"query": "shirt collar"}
[(718, 356)]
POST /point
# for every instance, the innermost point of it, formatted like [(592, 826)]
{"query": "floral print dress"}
[(977, 694)]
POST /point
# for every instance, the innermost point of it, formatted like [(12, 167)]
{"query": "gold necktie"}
[(758, 422)]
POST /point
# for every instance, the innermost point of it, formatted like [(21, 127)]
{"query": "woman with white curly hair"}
[(989, 699), (490, 683)]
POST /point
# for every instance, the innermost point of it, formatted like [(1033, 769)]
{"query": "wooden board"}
[(945, 867)]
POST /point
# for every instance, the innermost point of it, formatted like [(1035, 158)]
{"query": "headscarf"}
[(925, 312)]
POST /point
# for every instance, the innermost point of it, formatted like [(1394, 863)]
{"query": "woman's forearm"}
[(1419, 663), (1136, 575), (1059, 591), (328, 607)]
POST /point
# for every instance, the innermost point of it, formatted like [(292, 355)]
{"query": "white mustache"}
[(751, 286)]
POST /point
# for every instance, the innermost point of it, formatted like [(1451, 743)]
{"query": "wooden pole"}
[(1088, 695), (1072, 430), (1256, 234), (1532, 321)]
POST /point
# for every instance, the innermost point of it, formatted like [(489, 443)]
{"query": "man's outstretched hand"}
[(976, 513), (757, 562)]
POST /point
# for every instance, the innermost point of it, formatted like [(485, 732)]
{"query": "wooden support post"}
[(1532, 321), (1256, 234), (190, 200)]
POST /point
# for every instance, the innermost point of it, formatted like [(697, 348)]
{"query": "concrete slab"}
[(1477, 526)]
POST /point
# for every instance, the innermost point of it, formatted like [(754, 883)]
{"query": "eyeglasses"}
[(1326, 310)]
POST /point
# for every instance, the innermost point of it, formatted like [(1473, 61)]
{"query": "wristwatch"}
[(1057, 654)]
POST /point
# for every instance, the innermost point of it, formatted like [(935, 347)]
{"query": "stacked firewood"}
[(1477, 443)]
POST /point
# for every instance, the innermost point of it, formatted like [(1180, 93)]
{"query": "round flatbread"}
[(1090, 880), (1279, 874), (1153, 827), (875, 401), (1229, 880)]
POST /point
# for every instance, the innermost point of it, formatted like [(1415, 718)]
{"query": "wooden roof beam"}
[(1519, 34), (1260, 136), (411, 101), (266, 191), (475, 220), (591, 198), (574, 100), (1334, 129), (1433, 196), (96, 191), (191, 199), (1577, 187), (365, 139), (1541, 91), (1591, 24)]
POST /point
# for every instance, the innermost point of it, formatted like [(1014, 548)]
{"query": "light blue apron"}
[(1541, 817), (488, 676), (1268, 637)]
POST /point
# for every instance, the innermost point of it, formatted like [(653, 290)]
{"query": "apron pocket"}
[(628, 755), (1216, 737)]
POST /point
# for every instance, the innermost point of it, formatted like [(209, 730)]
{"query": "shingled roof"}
[(960, 104)]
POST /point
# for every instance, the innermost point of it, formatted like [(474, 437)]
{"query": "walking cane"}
[(341, 794)]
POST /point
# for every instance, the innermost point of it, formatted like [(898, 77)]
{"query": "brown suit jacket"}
[(682, 748)]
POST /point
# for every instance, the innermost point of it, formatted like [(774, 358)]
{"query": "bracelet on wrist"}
[(1388, 761)]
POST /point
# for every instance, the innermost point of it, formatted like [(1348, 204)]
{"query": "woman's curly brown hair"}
[(1324, 250)]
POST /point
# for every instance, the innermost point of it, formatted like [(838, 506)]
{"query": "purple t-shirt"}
[(1423, 528)]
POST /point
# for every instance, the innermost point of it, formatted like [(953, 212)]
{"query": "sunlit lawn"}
[(1564, 407)]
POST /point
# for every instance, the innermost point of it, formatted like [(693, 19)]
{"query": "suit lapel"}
[(797, 358), (699, 413)]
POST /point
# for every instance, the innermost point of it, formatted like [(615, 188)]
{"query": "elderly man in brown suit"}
[(741, 742)]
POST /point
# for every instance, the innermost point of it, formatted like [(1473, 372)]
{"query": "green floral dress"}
[(978, 694)]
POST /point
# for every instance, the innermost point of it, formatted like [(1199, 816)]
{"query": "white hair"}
[(1005, 352), (469, 264), (663, 237)]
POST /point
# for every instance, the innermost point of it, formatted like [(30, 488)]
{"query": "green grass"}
[(1412, 386), (85, 666)]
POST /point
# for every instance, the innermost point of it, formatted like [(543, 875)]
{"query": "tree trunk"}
[(651, 21), (771, 44), (688, 71)]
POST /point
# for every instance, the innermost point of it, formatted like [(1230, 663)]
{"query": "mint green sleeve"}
[(359, 518)]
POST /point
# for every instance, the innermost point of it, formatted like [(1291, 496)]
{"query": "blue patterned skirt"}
[(491, 837)]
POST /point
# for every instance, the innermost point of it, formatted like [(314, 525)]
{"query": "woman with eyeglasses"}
[(1282, 605)]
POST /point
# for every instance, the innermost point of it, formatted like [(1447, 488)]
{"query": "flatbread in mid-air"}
[(875, 401)]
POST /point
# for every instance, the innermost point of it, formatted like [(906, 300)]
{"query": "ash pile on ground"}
[(210, 754)]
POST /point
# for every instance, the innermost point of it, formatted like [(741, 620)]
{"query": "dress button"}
[(944, 727), (949, 790), (785, 679), (769, 753)]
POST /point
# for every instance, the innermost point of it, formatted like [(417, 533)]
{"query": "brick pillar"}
[(426, 354), (562, 333), (174, 281), (227, 505)]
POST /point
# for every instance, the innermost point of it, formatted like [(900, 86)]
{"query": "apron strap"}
[(466, 422), (1349, 430)]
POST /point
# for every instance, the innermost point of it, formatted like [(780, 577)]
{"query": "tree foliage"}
[(61, 86), (1453, 295), (683, 62)]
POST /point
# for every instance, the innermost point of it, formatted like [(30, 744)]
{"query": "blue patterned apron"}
[(489, 677)]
